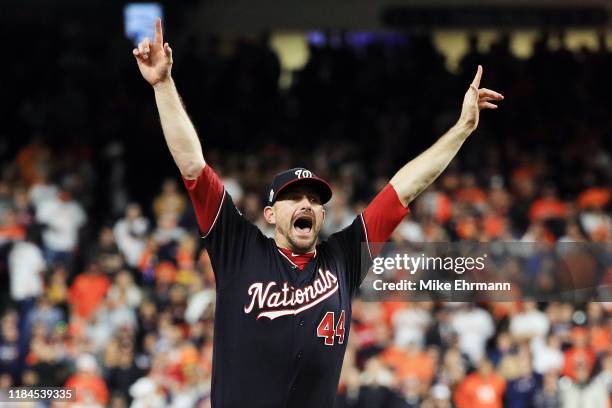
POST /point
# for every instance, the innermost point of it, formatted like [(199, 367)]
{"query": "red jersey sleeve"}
[(206, 193), (228, 236), (383, 215), (375, 224)]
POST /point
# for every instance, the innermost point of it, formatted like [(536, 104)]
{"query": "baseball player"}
[(283, 309)]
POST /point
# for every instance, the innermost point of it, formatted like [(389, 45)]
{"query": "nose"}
[(304, 203)]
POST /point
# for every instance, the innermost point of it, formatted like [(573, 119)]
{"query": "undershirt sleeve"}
[(206, 193), (383, 215)]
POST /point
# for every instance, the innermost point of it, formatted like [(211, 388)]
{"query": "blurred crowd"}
[(108, 288)]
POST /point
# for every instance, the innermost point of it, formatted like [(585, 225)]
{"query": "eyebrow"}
[(301, 193)]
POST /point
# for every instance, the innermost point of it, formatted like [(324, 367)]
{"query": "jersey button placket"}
[(299, 353)]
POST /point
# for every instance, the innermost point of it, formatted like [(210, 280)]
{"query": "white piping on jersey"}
[(286, 257), (365, 229), (216, 216)]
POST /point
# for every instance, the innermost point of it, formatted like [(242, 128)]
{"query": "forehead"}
[(298, 189)]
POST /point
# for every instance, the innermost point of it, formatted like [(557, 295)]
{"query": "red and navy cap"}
[(299, 176)]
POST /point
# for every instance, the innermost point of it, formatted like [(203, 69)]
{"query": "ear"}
[(323, 210), (269, 215)]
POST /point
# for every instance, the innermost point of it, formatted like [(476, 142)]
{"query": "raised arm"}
[(155, 64), (420, 172)]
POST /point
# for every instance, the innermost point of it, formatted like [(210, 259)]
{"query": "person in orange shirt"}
[(410, 362), (10, 229), (594, 197), (88, 291), (548, 206), (89, 386), (481, 389), (470, 192), (579, 354), (31, 159)]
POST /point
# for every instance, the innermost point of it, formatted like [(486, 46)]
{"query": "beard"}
[(301, 245)]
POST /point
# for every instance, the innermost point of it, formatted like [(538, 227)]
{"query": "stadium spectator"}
[(121, 375), (338, 214), (583, 392), (11, 354), (439, 397), (454, 367), (548, 356), (410, 324), (6, 201), (522, 386), (474, 327), (10, 229), (57, 287), (62, 218), (168, 234), (42, 191), (579, 356), (530, 323), (124, 292), (605, 376), (549, 395), (26, 267), (410, 362), (46, 314), (130, 234), (91, 389), (169, 201), (88, 291), (481, 389), (548, 206), (147, 394), (24, 211), (106, 252)]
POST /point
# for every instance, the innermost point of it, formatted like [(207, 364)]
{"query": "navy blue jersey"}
[(281, 329), (280, 332)]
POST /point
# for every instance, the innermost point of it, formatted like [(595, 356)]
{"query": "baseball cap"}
[(299, 176)]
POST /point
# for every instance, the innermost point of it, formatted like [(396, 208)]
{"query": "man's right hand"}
[(154, 58)]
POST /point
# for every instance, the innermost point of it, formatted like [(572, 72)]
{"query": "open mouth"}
[(303, 224)]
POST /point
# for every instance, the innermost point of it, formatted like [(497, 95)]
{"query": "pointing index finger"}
[(159, 37), (476, 81)]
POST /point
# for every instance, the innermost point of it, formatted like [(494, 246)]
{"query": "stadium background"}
[(105, 285)]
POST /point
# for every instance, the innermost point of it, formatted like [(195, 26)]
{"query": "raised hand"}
[(475, 100), (154, 58)]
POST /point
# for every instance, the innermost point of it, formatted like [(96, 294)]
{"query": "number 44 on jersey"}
[(328, 330)]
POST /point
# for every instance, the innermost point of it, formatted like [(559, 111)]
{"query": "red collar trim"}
[(299, 260)]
